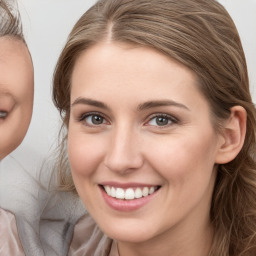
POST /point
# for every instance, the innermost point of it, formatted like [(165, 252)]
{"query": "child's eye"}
[(161, 120), (3, 114), (93, 119)]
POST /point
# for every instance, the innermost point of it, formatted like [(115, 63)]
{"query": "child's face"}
[(16, 93)]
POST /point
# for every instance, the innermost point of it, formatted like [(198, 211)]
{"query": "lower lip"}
[(126, 205)]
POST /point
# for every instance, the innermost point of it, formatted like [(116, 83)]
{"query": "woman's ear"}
[(233, 135)]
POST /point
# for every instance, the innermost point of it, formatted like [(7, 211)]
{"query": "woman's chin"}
[(138, 235)]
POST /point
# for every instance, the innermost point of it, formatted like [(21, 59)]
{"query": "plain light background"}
[(47, 24)]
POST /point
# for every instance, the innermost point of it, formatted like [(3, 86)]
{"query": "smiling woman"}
[(160, 124)]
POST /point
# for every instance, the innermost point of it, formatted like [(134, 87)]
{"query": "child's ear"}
[(233, 135)]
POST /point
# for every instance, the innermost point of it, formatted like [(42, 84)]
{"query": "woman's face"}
[(141, 144), (16, 93)]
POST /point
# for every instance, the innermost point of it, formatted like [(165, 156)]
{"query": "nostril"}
[(124, 154), (124, 164)]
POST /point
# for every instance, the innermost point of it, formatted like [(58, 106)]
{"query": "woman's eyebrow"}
[(161, 103), (143, 106), (91, 102)]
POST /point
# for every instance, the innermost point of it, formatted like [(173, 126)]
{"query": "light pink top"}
[(88, 239), (10, 244)]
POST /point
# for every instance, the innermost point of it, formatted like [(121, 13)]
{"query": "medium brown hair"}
[(201, 35)]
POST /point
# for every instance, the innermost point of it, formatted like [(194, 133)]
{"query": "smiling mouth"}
[(129, 193)]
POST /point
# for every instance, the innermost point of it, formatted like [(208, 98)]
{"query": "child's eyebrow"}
[(5, 93)]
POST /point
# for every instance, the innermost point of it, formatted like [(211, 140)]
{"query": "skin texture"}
[(16, 93), (129, 146)]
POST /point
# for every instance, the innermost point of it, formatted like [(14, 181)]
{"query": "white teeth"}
[(113, 192), (119, 193), (151, 190), (145, 191), (129, 193), (108, 190), (138, 193)]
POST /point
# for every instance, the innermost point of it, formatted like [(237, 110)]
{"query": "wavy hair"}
[(201, 35), (10, 21)]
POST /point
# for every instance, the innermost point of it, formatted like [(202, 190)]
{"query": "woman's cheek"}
[(83, 157), (77, 156), (169, 155)]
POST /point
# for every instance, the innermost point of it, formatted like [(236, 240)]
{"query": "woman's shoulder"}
[(9, 240), (88, 239)]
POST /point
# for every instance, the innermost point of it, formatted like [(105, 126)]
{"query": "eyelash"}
[(170, 119), (86, 115)]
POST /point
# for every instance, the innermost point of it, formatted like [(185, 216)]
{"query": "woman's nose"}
[(124, 154)]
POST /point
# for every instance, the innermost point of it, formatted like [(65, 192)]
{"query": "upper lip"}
[(128, 185)]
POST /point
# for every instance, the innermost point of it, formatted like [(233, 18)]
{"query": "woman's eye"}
[(93, 119), (161, 120)]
